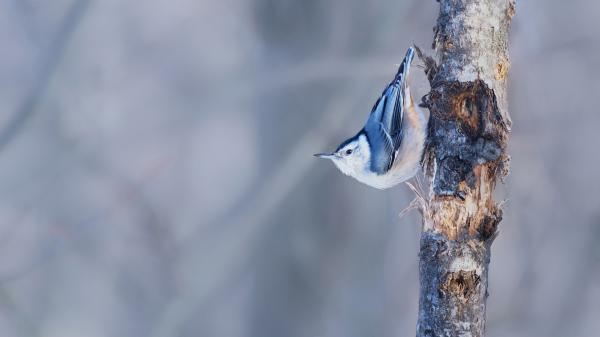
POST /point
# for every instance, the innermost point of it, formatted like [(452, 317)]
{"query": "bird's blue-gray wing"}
[(384, 126), (382, 145)]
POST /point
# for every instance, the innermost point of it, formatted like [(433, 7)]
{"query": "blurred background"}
[(157, 178)]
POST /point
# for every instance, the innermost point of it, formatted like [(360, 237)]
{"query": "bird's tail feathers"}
[(404, 68)]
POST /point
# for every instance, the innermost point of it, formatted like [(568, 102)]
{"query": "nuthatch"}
[(389, 148)]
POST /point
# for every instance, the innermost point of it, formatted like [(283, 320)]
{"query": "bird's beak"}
[(325, 155)]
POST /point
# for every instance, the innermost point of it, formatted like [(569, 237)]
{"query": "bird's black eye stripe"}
[(349, 151)]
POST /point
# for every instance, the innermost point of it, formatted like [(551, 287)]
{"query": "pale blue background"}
[(156, 176)]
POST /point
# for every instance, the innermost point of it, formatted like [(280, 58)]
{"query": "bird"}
[(388, 150)]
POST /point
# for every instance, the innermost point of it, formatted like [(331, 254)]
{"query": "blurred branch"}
[(245, 87), (243, 229), (290, 77), (47, 68), (130, 197), (23, 324)]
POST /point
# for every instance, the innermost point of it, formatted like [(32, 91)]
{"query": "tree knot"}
[(466, 129), (461, 285)]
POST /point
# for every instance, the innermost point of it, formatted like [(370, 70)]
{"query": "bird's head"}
[(352, 156)]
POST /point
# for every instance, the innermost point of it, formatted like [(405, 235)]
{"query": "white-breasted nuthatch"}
[(389, 148)]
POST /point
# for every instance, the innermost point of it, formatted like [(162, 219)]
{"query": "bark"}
[(466, 156)]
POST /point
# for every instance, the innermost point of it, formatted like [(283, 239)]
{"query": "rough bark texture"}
[(466, 155)]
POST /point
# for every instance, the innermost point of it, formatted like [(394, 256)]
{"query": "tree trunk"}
[(466, 155)]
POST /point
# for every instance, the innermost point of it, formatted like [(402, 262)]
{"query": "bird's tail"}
[(404, 68)]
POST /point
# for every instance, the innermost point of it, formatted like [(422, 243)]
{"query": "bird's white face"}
[(353, 158)]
